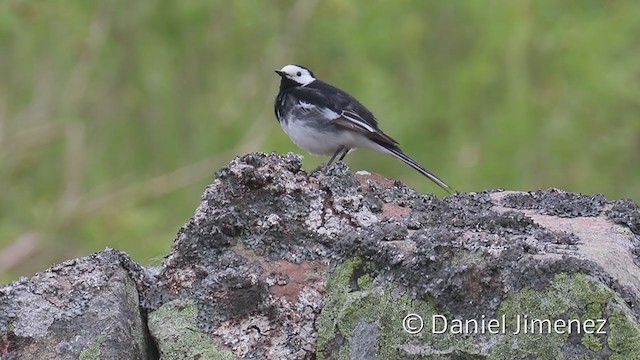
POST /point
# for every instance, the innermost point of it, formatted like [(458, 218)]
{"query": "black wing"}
[(353, 115)]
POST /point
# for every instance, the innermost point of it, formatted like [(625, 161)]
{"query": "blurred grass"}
[(114, 115)]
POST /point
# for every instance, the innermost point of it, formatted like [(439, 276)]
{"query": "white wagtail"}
[(325, 120)]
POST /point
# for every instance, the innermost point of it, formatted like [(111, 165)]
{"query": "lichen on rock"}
[(278, 263)]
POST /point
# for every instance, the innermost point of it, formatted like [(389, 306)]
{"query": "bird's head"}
[(296, 75)]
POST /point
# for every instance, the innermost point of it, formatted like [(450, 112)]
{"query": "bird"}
[(325, 120)]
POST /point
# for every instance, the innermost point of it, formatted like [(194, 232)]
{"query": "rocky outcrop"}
[(88, 308), (277, 263)]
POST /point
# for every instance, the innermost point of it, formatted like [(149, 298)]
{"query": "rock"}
[(86, 308), (277, 263)]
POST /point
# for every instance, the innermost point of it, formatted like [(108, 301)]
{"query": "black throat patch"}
[(286, 83)]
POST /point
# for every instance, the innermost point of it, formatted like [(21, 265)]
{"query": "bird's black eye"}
[(299, 73)]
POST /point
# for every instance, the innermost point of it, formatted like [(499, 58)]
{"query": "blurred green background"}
[(114, 115)]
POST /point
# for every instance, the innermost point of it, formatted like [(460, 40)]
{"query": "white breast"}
[(310, 127), (323, 142)]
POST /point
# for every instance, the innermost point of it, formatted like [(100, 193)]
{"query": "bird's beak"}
[(281, 73)]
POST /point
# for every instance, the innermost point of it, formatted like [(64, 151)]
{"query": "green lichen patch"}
[(347, 311), (174, 326), (624, 337), (592, 342), (584, 309), (92, 352), (575, 314)]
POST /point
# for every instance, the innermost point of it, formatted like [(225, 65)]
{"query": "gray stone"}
[(277, 263), (84, 308)]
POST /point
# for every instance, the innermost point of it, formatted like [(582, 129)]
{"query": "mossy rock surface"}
[(575, 317)]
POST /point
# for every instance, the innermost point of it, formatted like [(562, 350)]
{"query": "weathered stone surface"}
[(277, 263), (248, 262), (255, 255), (176, 332), (85, 308)]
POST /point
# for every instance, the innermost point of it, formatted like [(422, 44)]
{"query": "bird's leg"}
[(344, 153), (340, 149)]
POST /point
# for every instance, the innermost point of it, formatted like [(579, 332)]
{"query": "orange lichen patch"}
[(393, 210), (298, 276), (180, 279), (471, 281), (287, 279), (363, 178)]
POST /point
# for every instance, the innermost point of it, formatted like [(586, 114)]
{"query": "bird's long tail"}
[(395, 151)]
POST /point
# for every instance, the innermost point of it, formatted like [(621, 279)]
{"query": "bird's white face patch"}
[(298, 74)]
